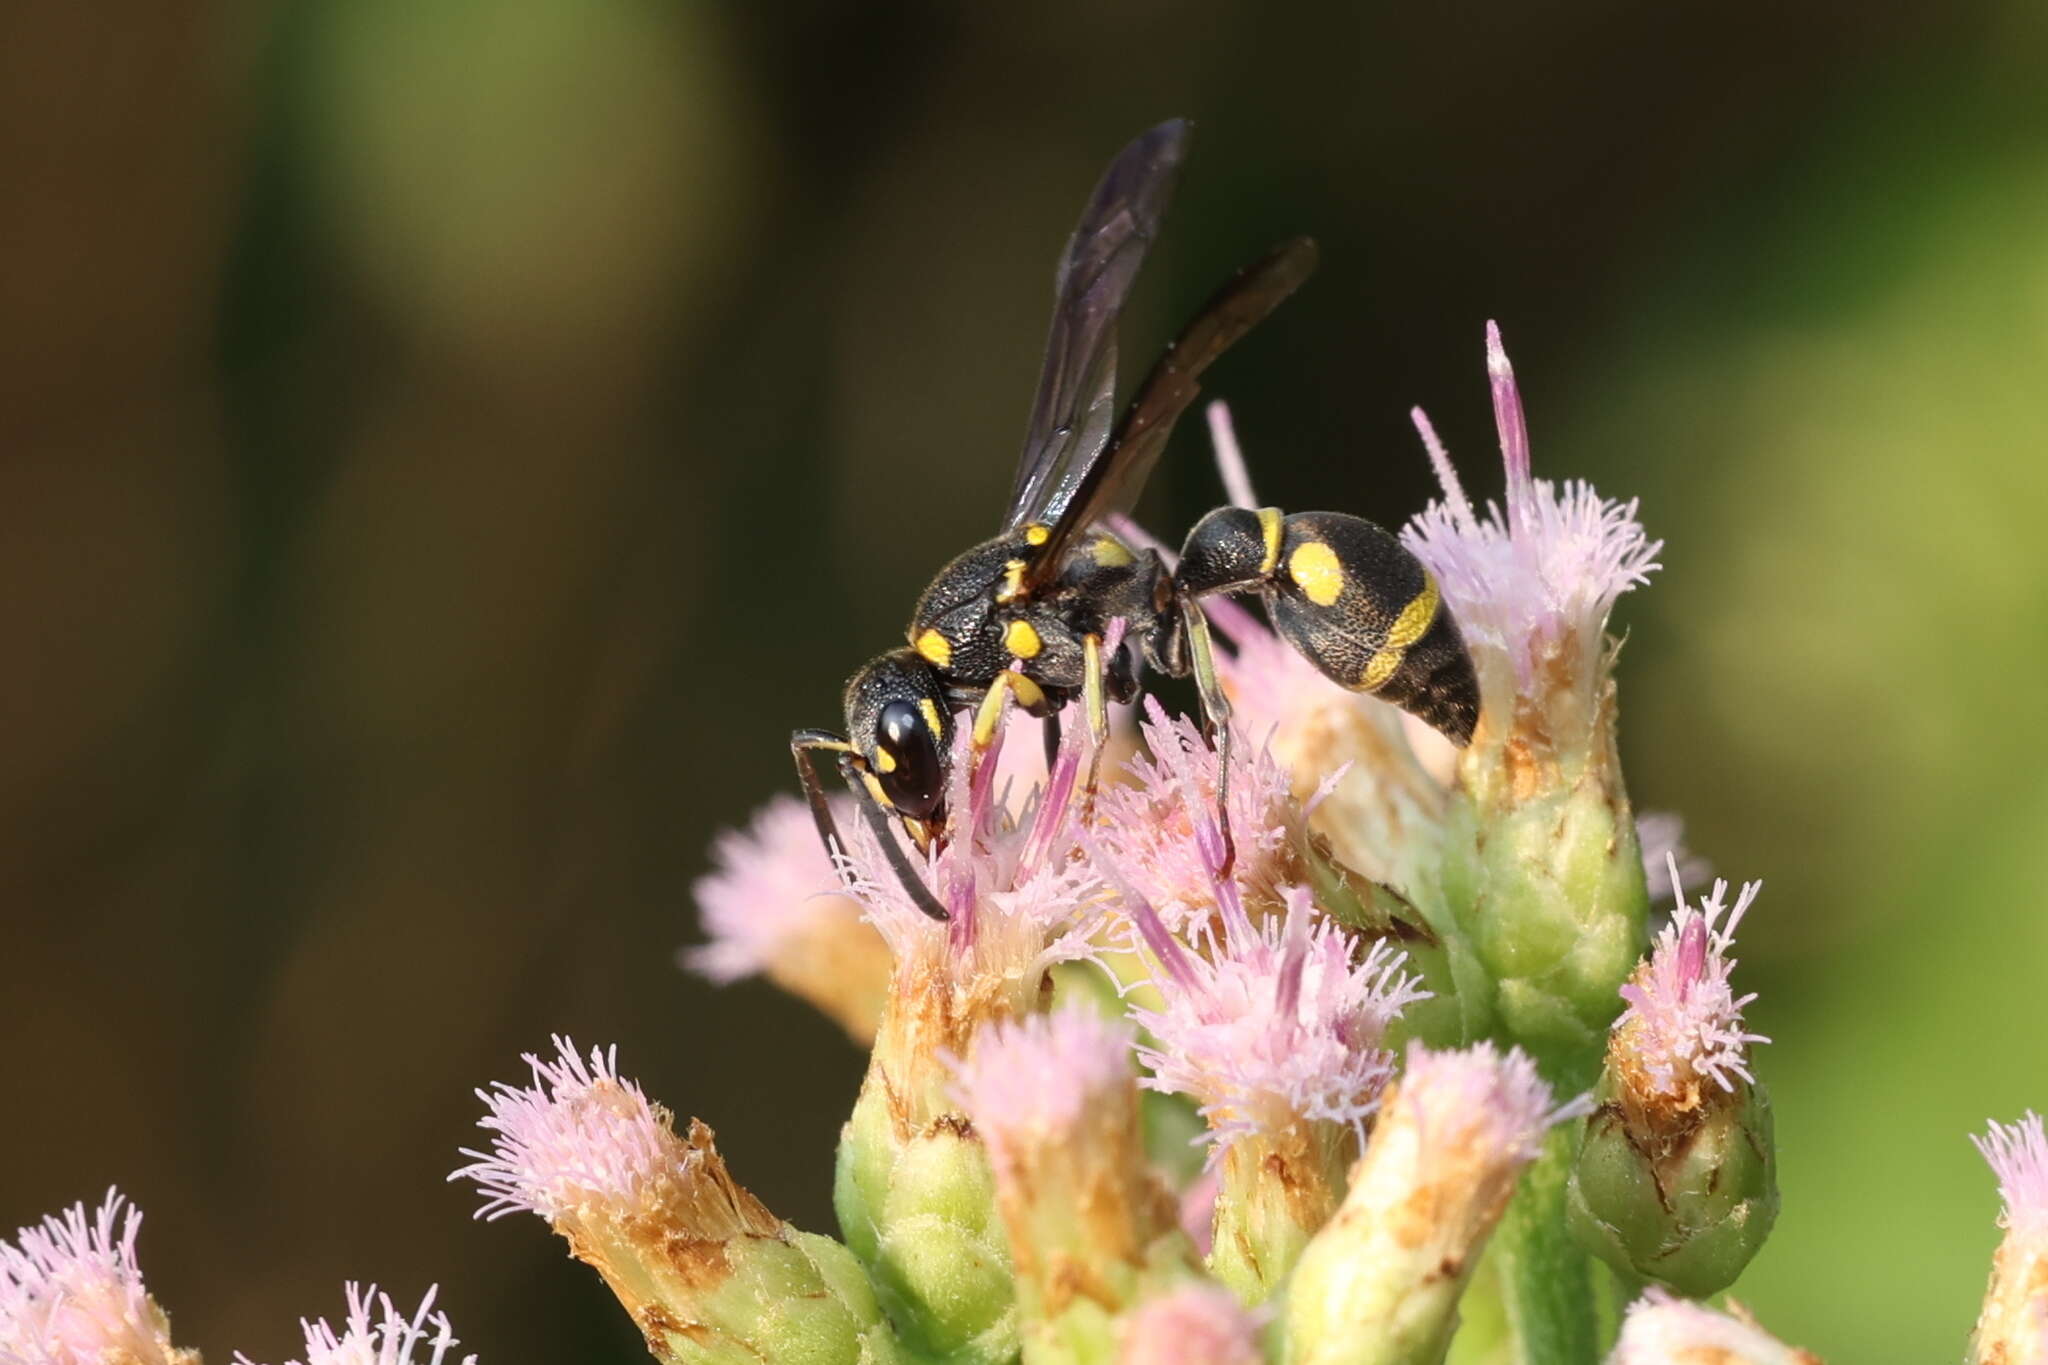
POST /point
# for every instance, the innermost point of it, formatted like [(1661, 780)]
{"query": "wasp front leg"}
[(874, 806)]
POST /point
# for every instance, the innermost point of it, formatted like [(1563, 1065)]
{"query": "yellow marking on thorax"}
[(934, 648), (1037, 533), (1314, 567), (1271, 525), (1111, 553), (1013, 581), (1021, 639), (930, 711)]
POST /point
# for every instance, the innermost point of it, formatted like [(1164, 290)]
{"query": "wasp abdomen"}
[(1363, 610), (1230, 548)]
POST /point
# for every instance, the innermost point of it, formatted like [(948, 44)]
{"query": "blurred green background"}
[(446, 446)]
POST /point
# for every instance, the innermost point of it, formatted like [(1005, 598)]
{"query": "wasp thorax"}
[(960, 621)]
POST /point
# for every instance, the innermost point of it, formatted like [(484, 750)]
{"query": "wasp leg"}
[(802, 745), (990, 713), (1050, 733), (1215, 718), (878, 817), (1096, 704)]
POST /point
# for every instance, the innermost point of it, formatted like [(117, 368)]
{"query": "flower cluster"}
[(1249, 1049)]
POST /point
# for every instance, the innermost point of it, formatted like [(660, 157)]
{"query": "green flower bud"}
[(918, 1207), (1278, 1190), (1676, 1180), (1686, 1209), (1380, 1284), (1091, 1229)]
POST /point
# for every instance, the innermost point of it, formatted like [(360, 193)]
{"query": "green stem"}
[(1546, 1279)]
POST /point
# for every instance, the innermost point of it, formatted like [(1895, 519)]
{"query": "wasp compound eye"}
[(907, 760)]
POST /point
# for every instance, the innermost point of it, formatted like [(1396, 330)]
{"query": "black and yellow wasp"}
[(1026, 614)]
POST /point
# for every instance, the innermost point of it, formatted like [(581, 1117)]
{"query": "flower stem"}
[(1546, 1280)]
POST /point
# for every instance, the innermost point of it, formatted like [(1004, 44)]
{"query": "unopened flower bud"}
[(708, 1273), (2012, 1327), (1380, 1284), (71, 1293), (1661, 1330), (1676, 1179)]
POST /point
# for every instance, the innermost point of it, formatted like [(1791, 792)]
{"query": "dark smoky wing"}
[(1113, 482), (1076, 399)]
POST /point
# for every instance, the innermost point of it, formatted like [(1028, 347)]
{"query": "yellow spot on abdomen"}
[(1021, 639), (1314, 568), (1379, 668), (1415, 618), (934, 648), (1411, 625)]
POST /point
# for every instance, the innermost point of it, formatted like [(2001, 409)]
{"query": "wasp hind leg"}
[(873, 807)]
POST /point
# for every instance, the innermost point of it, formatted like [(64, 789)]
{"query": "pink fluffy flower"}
[(768, 884), (1019, 900), (1162, 828), (71, 1293), (578, 1138), (1683, 1025), (1661, 1329), (1196, 1325), (1661, 836), (2018, 1155), (1273, 1022), (2012, 1326), (375, 1332), (1481, 1102), (1534, 582), (1054, 1100), (772, 904), (1037, 1078)]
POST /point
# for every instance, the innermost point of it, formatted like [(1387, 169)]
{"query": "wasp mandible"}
[(1025, 615)]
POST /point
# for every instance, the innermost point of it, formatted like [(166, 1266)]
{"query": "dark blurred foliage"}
[(447, 446)]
